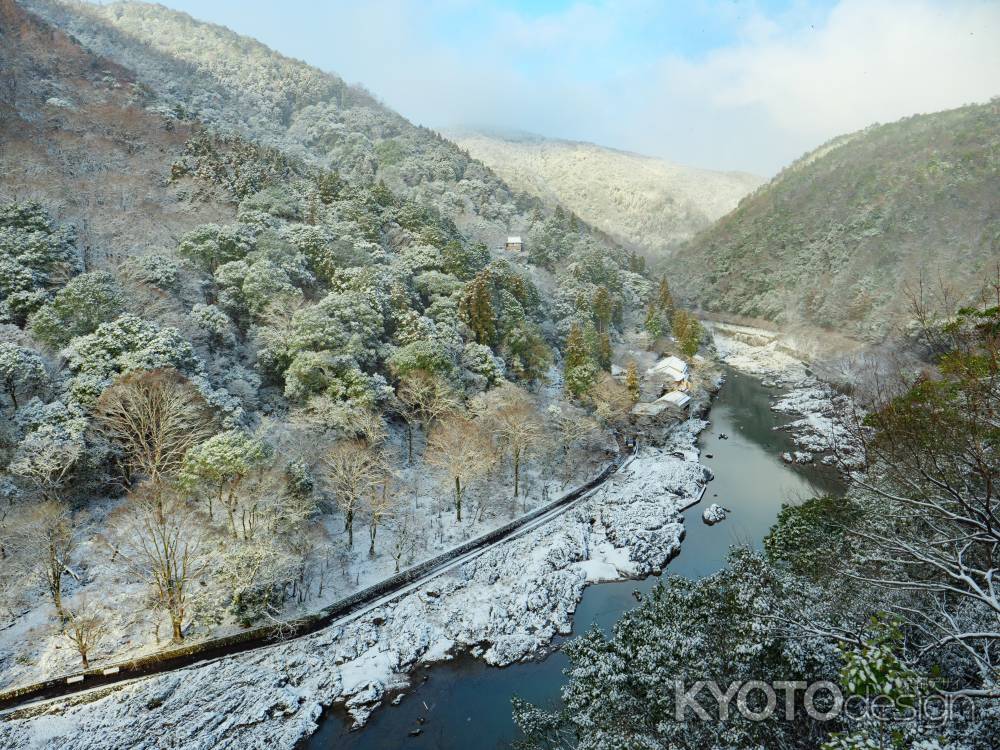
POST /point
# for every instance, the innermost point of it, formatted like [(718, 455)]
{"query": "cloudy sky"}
[(725, 84)]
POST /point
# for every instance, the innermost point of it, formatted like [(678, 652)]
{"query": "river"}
[(466, 704)]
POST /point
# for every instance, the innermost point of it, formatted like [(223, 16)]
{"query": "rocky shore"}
[(505, 605)]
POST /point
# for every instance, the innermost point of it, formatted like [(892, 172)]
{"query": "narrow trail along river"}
[(466, 704)]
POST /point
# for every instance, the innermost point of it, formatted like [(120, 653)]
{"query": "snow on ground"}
[(505, 605), (32, 648)]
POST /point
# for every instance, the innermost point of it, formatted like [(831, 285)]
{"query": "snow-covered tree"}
[(45, 537), (161, 542), (78, 309), (211, 245), (353, 470), (22, 371), (48, 455), (153, 417), (461, 449), (85, 627), (511, 415), (223, 462)]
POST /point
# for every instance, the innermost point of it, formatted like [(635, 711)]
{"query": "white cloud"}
[(787, 84), (612, 71), (871, 61)]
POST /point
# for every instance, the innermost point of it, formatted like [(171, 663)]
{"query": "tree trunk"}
[(409, 443), (458, 499), (517, 472), (55, 582), (176, 623), (56, 589), (349, 525), (83, 658)]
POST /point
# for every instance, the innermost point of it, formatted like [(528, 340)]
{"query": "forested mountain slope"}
[(209, 335), (75, 132), (646, 203), (238, 84), (836, 239)]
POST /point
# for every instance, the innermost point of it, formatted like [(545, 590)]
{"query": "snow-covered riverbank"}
[(819, 428), (506, 605)]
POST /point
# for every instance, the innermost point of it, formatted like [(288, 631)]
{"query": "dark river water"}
[(466, 704)]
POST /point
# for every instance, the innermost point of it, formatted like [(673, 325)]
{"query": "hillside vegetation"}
[(645, 203), (837, 239), (228, 350), (238, 85)]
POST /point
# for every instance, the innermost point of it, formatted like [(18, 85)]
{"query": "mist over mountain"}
[(238, 85), (646, 203)]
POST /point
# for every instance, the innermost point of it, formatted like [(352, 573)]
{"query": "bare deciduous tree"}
[(154, 417), (353, 469), (381, 506), (462, 451), (424, 399), (45, 539), (161, 540), (612, 401), (404, 544), (85, 626), (511, 415)]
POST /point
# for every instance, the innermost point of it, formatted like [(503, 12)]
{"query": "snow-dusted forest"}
[(265, 344)]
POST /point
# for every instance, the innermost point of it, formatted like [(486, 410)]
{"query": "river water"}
[(466, 704)]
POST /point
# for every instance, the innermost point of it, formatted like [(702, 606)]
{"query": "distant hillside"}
[(835, 240), (237, 84), (646, 203)]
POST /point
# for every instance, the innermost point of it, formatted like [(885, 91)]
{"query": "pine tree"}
[(603, 308), (664, 299), (604, 351), (653, 324), (477, 309), (579, 370), (687, 331)]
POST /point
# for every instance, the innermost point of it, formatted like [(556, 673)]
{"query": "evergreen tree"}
[(653, 324), (664, 299), (604, 351), (603, 308), (688, 332), (579, 370), (477, 309)]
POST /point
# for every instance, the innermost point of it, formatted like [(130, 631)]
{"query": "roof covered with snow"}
[(514, 240), (677, 398), (673, 367)]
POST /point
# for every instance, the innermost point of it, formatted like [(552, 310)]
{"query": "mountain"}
[(76, 133), (229, 282), (837, 239), (645, 203), (238, 85)]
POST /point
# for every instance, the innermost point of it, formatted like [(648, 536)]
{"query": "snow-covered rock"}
[(821, 414), (713, 514), (505, 605)]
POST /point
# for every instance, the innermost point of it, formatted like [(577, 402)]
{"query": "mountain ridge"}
[(647, 203), (840, 239)]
